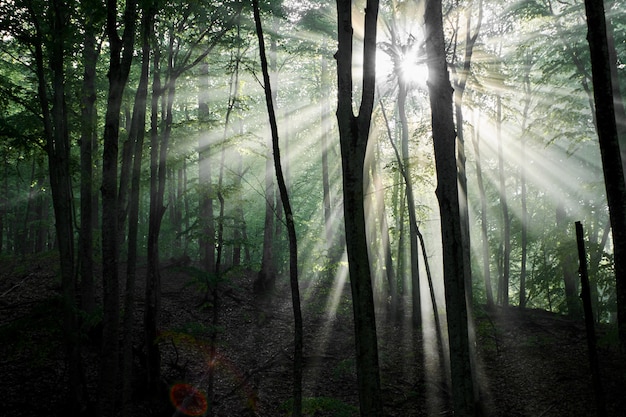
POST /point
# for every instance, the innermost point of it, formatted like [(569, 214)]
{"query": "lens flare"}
[(188, 399)]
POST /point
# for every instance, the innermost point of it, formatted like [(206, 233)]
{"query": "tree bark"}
[(88, 127), (589, 323), (524, 192), (266, 278), (444, 136), (121, 53), (353, 134), (460, 82), (137, 133), (55, 120), (207, 237), (609, 151), (483, 218), (291, 230), (416, 314), (503, 287)]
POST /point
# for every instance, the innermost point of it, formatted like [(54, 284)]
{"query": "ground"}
[(530, 363)]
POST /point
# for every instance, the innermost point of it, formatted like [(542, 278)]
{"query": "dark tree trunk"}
[(291, 230), (444, 136), (589, 323), (159, 139), (57, 148), (620, 111), (353, 134), (88, 127), (460, 82), (266, 278), (121, 53), (610, 151), (567, 264), (137, 133)]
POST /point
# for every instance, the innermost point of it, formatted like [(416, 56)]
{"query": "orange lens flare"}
[(188, 399)]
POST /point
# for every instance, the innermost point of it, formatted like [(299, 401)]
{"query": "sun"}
[(407, 66), (413, 70)]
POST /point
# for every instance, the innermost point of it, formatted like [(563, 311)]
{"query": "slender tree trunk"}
[(353, 134), (503, 287), (325, 116), (420, 237), (414, 245), (266, 278), (121, 53), (57, 148), (460, 82), (291, 230), (207, 238), (88, 127), (483, 217), (524, 193), (440, 92), (137, 133), (589, 323), (239, 222), (384, 254), (158, 170), (567, 263)]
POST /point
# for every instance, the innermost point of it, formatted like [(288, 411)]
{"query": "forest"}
[(313, 208)]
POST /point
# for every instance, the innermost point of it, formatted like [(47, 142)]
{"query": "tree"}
[(120, 59), (266, 278), (440, 92), (52, 50), (353, 135), (397, 51), (137, 133), (483, 215), (92, 23), (609, 151), (291, 229), (460, 83)]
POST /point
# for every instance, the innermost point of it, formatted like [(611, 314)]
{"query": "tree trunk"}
[(88, 127), (57, 148), (567, 264), (416, 315), (620, 111), (353, 136), (524, 193), (460, 82), (207, 237), (503, 287), (325, 116), (266, 277), (483, 217), (610, 151), (589, 323), (440, 92), (138, 133), (121, 53), (291, 230)]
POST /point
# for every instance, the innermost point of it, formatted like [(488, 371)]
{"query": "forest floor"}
[(530, 363)]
